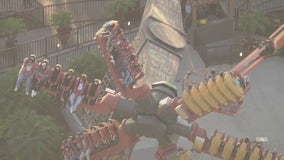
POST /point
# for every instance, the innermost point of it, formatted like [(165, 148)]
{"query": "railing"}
[(87, 10), (221, 54), (269, 5), (33, 16), (253, 6), (18, 5), (81, 11), (47, 48)]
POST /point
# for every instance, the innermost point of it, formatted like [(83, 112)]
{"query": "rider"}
[(40, 77), (113, 29), (187, 83), (97, 140), (78, 92), (113, 131), (87, 146), (67, 84), (126, 78), (112, 26), (26, 72), (55, 77), (93, 91)]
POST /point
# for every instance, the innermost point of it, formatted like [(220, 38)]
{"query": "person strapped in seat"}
[(87, 145), (40, 77), (67, 85), (126, 78), (97, 140), (103, 136), (111, 29), (93, 91), (112, 26), (55, 77), (78, 93), (112, 131), (72, 150), (83, 145), (26, 72)]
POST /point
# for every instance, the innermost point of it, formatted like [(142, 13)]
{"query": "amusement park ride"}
[(152, 111)]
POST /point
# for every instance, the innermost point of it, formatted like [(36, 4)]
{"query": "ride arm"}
[(121, 65), (267, 47), (221, 94), (222, 146), (119, 150), (224, 93)]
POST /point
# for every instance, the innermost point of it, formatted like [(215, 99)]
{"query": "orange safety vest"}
[(28, 68), (103, 134), (96, 138), (42, 74), (67, 84), (83, 90), (92, 87), (54, 76), (85, 136), (79, 143), (112, 130), (70, 147)]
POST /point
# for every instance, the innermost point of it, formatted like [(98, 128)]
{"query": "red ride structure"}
[(152, 111)]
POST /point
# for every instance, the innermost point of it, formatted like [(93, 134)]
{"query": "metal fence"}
[(18, 5), (254, 6), (220, 54), (81, 11), (88, 10), (47, 48), (33, 16)]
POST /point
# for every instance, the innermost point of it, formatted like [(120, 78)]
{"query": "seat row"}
[(93, 140), (221, 90), (227, 147), (122, 54), (63, 83)]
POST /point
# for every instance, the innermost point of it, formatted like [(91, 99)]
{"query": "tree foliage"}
[(26, 130), (122, 5), (12, 25), (254, 22), (32, 136), (62, 19), (91, 64)]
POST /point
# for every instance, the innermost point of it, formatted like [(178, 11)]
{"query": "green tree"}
[(11, 27), (254, 22), (26, 132), (32, 136), (63, 22), (122, 5), (62, 19), (91, 64), (121, 9)]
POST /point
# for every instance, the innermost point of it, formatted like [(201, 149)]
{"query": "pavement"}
[(261, 115), (50, 2), (28, 36), (262, 111)]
